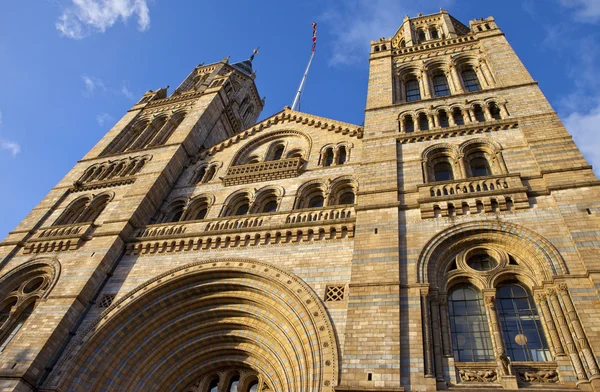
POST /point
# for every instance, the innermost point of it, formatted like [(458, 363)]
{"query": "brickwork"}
[(193, 248)]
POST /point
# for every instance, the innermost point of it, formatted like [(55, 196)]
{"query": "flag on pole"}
[(314, 39)]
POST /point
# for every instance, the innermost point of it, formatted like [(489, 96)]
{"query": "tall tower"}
[(115, 189), (496, 211)]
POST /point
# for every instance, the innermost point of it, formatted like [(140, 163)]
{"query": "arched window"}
[(347, 198), (341, 155), (433, 33), (197, 209), (458, 117), (253, 159), (72, 212), (270, 206), (164, 133), (403, 44), (470, 81), (242, 209), (277, 152), (480, 167), (413, 93), (443, 171), (443, 119), (521, 326), (421, 35), (210, 173), (199, 175), (93, 211), (8, 337), (214, 385), (478, 112), (201, 214), (495, 111), (409, 125), (328, 161), (175, 212), (316, 201), (471, 339), (440, 85), (423, 122), (253, 387), (234, 384)]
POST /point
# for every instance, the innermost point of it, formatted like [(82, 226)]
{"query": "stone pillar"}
[(336, 154), (456, 79), (426, 88), (446, 338), (486, 113), (425, 172), (566, 335), (430, 121), (437, 337), (505, 376), (481, 77), (503, 110), (487, 74), (555, 343), (466, 115), (461, 166), (402, 125), (578, 329), (427, 341), (451, 121)]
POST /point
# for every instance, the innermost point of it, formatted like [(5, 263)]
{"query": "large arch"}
[(202, 317), (544, 259)]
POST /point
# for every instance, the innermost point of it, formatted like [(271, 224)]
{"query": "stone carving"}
[(541, 377), (477, 375), (504, 364)]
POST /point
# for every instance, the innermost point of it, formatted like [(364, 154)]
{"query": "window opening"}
[(443, 171), (342, 155), (328, 157), (409, 125), (480, 167), (423, 122), (440, 86), (482, 262), (478, 112), (316, 201), (470, 80), (443, 119), (413, 93)]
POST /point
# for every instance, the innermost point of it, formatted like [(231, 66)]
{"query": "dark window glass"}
[(478, 111), (210, 173), (253, 387), (434, 33), (347, 198), (413, 93), (470, 80), (235, 382), (409, 125), (201, 214), (482, 262), (468, 322), (214, 385), (458, 117), (316, 201), (342, 155), (176, 215), (277, 153), (480, 167), (495, 112), (443, 119), (17, 326), (521, 327), (440, 86), (402, 44), (6, 310), (328, 157), (421, 36), (270, 206), (242, 209), (423, 122), (443, 171)]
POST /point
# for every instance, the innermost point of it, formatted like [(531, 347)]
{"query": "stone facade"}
[(451, 242)]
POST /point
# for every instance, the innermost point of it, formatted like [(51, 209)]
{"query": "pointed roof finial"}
[(254, 53)]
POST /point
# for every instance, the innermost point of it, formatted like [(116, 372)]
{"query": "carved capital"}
[(563, 288)]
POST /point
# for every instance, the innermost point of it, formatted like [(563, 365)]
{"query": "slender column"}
[(437, 336), (446, 339), (578, 329), (425, 78), (503, 110), (431, 121), (461, 166), (425, 171), (456, 79), (336, 154), (485, 70), (566, 334), (466, 115), (497, 341), (417, 123), (481, 76), (427, 351), (486, 113), (451, 121), (555, 343), (402, 126)]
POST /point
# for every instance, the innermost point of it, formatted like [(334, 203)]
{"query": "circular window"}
[(482, 262), (33, 285)]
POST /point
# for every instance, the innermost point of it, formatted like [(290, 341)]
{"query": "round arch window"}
[(482, 262)]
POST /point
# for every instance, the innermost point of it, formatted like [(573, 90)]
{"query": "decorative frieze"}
[(263, 171), (59, 238)]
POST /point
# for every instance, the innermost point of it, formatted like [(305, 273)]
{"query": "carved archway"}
[(200, 318)]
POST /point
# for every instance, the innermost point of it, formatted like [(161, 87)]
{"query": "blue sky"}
[(70, 69)]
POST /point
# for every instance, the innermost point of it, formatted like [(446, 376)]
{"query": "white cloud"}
[(92, 85), (125, 91), (85, 17), (355, 23), (104, 119), (585, 10), (13, 147), (584, 128)]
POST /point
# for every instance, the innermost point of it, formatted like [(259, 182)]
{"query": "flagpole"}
[(314, 44), (297, 98)]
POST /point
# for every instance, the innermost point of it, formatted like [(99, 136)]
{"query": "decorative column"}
[(451, 121), (446, 339), (425, 172), (487, 74), (430, 120), (461, 166), (336, 154), (425, 78), (505, 373), (427, 341), (402, 126), (466, 115), (566, 334), (437, 337), (555, 343), (486, 113), (503, 109), (481, 76), (578, 329), (456, 79)]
